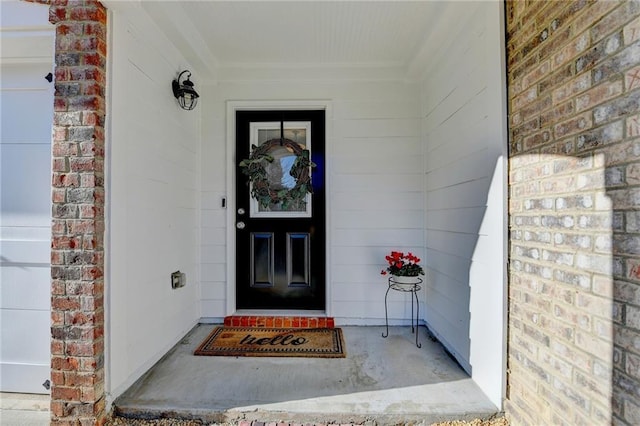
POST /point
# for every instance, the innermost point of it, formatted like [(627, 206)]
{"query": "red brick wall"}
[(77, 256), (574, 181)]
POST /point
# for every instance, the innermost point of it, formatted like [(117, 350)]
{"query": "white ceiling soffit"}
[(383, 37)]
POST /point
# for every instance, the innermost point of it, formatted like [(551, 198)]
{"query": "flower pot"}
[(404, 283)]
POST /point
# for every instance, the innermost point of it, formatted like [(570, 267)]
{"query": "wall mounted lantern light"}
[(184, 91)]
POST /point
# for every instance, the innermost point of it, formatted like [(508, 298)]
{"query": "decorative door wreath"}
[(254, 168)]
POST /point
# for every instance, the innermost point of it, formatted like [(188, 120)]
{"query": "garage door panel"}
[(14, 48), (17, 104), (26, 200), (24, 252), (24, 378), (17, 13), (42, 233), (16, 325), (17, 75), (25, 287)]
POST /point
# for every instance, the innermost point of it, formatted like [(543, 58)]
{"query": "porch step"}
[(278, 321)]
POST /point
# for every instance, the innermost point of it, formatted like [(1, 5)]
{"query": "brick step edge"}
[(278, 321)]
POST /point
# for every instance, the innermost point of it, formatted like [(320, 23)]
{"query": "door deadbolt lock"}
[(240, 225), (241, 211)]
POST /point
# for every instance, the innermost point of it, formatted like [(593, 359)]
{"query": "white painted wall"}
[(153, 204), (463, 132), (374, 167)]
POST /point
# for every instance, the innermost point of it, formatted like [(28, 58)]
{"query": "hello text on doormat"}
[(249, 341)]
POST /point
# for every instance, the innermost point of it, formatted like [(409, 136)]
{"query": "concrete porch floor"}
[(381, 381)]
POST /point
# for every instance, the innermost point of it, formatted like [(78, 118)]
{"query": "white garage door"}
[(26, 110)]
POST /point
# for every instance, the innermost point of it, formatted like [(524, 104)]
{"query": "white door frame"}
[(232, 107)]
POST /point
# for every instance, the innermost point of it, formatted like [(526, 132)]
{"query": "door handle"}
[(240, 225)]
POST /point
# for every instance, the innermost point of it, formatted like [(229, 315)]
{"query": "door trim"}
[(232, 107)]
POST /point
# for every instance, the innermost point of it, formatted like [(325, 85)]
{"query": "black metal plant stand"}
[(406, 288)]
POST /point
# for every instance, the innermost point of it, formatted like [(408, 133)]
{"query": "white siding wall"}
[(463, 134), (410, 166), (374, 168), (152, 209)]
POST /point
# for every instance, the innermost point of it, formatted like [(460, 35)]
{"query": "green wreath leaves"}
[(254, 168)]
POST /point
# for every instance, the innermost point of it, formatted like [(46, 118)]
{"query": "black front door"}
[(280, 225)]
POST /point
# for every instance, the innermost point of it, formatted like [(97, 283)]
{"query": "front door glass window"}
[(280, 172)]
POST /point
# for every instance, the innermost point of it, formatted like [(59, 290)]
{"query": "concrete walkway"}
[(381, 381), (19, 409)]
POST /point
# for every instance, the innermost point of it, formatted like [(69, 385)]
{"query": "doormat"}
[(252, 341)]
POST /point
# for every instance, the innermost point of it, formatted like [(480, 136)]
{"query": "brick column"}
[(77, 249), (574, 270)]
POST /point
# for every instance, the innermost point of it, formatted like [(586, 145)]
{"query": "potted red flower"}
[(404, 268)]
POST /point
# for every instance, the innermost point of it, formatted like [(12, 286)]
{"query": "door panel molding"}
[(232, 108), (262, 245), (298, 259)]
